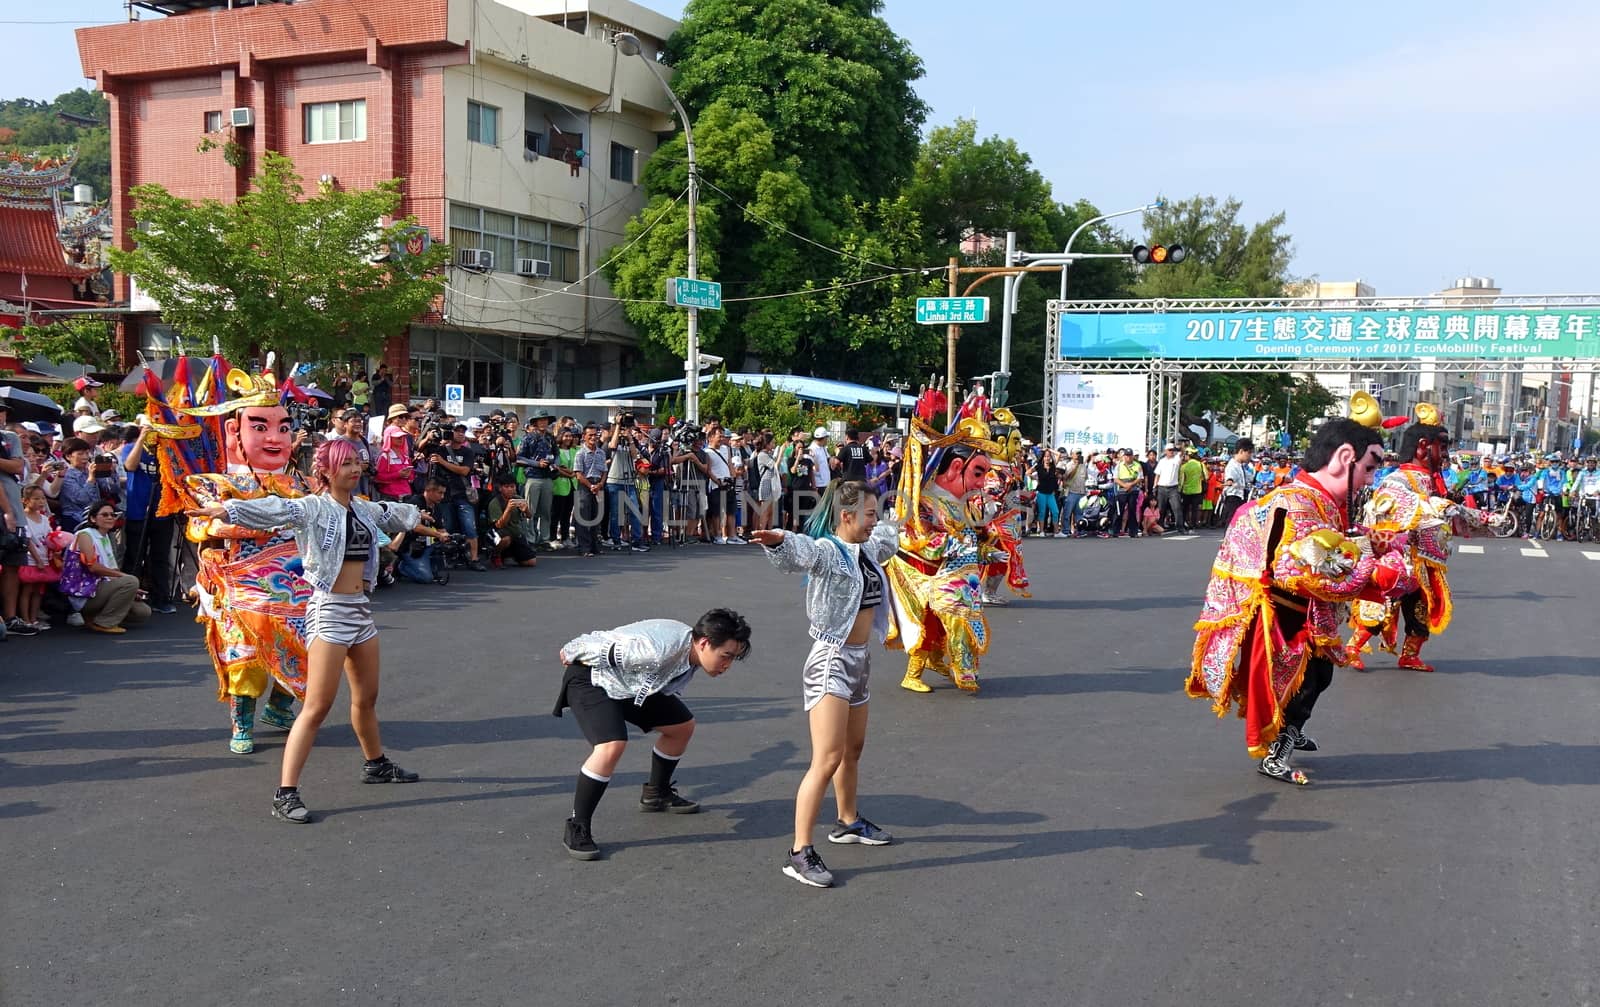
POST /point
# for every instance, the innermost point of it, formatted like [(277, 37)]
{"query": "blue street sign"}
[(952, 310), (686, 293)]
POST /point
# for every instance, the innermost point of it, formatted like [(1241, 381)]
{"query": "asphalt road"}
[(1078, 834)]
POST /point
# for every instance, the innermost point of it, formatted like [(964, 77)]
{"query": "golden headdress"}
[(922, 451)]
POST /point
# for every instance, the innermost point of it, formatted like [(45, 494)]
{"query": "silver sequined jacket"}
[(636, 661), (833, 585)]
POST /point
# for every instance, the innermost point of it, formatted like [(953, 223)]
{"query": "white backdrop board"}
[(1099, 411)]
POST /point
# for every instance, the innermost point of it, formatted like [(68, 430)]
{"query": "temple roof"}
[(29, 243)]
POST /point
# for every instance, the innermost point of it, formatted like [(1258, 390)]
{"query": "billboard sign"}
[(1391, 334), (1095, 412)]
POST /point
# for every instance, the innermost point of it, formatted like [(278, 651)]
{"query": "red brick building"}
[(360, 91)]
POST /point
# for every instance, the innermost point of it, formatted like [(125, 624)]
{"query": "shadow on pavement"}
[(1146, 681), (1549, 764), (1108, 604), (132, 767), (1507, 667)]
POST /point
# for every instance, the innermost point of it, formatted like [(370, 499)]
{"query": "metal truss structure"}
[(1166, 373)]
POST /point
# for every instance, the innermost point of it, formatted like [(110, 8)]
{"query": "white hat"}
[(1171, 446), (819, 434), (88, 425), (110, 414)]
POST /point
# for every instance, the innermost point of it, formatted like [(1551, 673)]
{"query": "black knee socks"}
[(587, 796), (661, 768)]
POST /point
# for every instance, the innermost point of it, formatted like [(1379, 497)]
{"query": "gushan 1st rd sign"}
[(1396, 333), (686, 293)]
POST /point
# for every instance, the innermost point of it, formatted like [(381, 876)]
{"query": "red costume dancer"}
[(1268, 636)]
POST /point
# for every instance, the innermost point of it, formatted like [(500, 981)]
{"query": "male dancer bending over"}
[(633, 675)]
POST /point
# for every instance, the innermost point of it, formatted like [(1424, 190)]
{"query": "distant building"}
[(519, 130)]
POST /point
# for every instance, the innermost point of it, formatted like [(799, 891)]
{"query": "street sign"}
[(686, 293), (455, 402), (952, 310)]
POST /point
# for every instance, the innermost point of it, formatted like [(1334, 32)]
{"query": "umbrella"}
[(315, 392), (163, 369), (29, 407)]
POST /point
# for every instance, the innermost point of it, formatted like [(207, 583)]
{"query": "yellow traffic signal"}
[(1158, 255)]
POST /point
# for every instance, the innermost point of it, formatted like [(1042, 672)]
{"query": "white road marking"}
[(1536, 553), (1476, 550), (1180, 538), (1591, 555)]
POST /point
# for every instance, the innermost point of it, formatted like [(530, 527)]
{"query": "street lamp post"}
[(629, 45)]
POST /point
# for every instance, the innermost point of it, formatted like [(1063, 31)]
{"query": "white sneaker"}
[(1062, 534), (736, 540), (719, 541), (75, 619)]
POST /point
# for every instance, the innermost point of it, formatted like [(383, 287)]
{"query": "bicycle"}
[(1584, 525), (1546, 518), (1505, 505)]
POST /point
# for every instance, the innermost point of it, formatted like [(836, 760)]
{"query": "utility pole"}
[(952, 333)]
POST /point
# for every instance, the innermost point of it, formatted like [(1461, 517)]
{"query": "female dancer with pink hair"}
[(337, 535)]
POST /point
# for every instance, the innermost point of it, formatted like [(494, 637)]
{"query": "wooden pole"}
[(952, 333)]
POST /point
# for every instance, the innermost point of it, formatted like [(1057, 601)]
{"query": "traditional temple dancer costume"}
[(1409, 508), (251, 596), (1268, 634), (1006, 518), (937, 574)]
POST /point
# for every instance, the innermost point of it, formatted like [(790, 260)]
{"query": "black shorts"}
[(718, 501), (604, 719)]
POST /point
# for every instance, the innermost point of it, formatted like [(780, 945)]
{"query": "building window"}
[(622, 161), (213, 122), (336, 121), (424, 378), (483, 123), (511, 237), (550, 129)]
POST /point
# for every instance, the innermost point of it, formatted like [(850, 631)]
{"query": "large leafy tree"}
[(304, 275), (805, 130), (76, 340), (963, 185), (829, 77)]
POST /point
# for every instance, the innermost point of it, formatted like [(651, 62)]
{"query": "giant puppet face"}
[(259, 438), (965, 476)]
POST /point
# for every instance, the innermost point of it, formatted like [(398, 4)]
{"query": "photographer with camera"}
[(148, 537), (622, 482), (536, 456), (725, 470), (692, 479), (457, 458), (511, 518), (657, 468), (78, 489)]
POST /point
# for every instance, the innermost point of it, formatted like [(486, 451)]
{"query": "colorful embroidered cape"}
[(1289, 543), (1409, 507)]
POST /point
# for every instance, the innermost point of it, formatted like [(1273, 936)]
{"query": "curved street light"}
[(629, 45)]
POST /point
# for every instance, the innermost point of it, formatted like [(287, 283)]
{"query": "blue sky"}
[(1408, 142)]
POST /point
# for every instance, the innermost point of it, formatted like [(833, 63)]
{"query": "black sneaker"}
[(290, 808), (578, 841), (1302, 741), (666, 800), (478, 565), (859, 831), (807, 868), (386, 772), (636, 547), (16, 627)]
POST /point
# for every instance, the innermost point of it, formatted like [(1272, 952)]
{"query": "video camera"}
[(306, 416), (625, 420), (685, 433)]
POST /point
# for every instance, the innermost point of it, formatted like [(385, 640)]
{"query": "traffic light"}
[(1158, 255), (997, 390)]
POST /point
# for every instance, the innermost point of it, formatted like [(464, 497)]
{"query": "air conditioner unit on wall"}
[(533, 267), (241, 118), (475, 258)]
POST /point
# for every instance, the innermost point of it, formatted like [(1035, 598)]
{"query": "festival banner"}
[(1095, 412), (1388, 334)]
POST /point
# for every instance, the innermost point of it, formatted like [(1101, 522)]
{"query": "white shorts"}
[(341, 619), (836, 669)]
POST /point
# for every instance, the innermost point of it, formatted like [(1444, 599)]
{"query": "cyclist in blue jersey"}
[(1553, 481), (1527, 483)]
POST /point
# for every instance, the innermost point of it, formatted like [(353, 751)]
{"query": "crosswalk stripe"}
[(1536, 553), (1474, 549), (1179, 538), (1591, 555)]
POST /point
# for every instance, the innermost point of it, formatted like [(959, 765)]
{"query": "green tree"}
[(76, 340), (35, 126), (829, 77), (805, 127), (278, 270), (1229, 258), (961, 184)]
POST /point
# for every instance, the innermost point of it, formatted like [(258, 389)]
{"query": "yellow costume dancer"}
[(1007, 519), (937, 575), (252, 597)]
